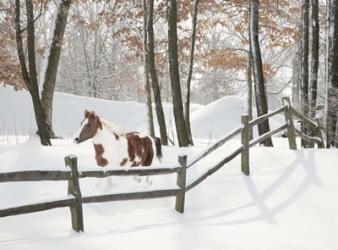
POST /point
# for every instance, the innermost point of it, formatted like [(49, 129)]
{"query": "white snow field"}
[(288, 202)]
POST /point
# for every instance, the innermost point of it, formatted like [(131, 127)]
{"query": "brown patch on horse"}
[(158, 147), (99, 150), (90, 129), (150, 154), (87, 113), (117, 137), (98, 123), (123, 162), (140, 149), (135, 164)]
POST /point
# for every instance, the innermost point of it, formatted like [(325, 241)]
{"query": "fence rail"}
[(265, 136), (34, 175), (75, 200), (131, 196), (215, 168), (316, 140), (263, 118), (218, 144), (43, 175), (37, 207)]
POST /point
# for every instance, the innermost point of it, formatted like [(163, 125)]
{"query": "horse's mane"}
[(112, 127)]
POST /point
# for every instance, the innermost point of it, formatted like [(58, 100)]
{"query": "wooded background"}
[(174, 51)]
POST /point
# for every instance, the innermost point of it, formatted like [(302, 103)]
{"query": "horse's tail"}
[(158, 148)]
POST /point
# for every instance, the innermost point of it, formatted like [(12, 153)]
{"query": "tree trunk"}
[(296, 77), (315, 57), (191, 65), (305, 66), (150, 117), (52, 65), (31, 77), (328, 42), (153, 75), (182, 135), (314, 64), (249, 79), (260, 93), (332, 93), (249, 100)]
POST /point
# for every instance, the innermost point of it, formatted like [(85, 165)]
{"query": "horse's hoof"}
[(149, 181), (137, 179)]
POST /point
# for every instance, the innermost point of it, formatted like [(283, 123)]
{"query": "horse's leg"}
[(137, 178), (110, 182), (149, 181)]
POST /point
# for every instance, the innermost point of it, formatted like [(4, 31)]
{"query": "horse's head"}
[(89, 127)]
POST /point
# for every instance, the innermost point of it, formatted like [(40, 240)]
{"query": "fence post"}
[(74, 189), (245, 142), (291, 127), (181, 182)]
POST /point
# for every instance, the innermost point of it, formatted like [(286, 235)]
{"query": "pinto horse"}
[(116, 148)]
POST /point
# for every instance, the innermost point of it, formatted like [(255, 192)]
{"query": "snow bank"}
[(222, 116), (208, 122), (17, 115), (218, 118)]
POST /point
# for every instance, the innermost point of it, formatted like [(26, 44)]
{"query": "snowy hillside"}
[(17, 116), (288, 202), (208, 122), (220, 117)]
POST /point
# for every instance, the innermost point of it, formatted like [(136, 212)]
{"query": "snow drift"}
[(208, 122)]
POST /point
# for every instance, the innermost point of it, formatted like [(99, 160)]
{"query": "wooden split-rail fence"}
[(75, 200)]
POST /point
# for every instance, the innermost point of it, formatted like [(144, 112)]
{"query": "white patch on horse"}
[(137, 158), (153, 145), (115, 150)]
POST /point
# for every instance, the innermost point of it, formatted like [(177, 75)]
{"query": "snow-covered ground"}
[(288, 202)]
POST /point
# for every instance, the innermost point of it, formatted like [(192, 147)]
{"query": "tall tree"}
[(30, 77), (47, 94), (260, 93), (153, 75), (332, 88), (182, 135), (150, 117), (249, 77), (296, 76), (191, 65), (314, 57), (304, 94)]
